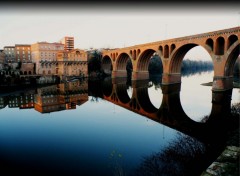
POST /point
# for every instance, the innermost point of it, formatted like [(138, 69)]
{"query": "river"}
[(113, 128)]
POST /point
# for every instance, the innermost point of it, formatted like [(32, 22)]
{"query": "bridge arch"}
[(144, 59), (173, 46), (220, 46), (121, 90), (231, 40), (166, 51), (107, 87), (160, 48), (210, 43), (234, 52), (121, 61), (107, 64), (178, 55)]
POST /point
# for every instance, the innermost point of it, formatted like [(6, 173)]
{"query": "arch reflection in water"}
[(211, 129)]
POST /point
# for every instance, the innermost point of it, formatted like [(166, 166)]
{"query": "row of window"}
[(28, 48), (24, 55), (9, 49), (42, 53), (24, 59), (23, 52), (11, 53), (51, 47), (18, 48)]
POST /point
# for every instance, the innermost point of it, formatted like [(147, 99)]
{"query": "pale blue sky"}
[(110, 27)]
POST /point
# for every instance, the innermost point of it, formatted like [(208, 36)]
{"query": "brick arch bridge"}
[(170, 112), (223, 46)]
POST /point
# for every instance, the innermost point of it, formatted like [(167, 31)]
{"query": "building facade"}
[(9, 54), (68, 43), (43, 55), (23, 53), (2, 59), (72, 63)]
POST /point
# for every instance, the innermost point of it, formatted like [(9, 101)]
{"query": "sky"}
[(111, 26)]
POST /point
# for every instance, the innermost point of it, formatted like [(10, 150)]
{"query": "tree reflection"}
[(116, 163), (183, 156)]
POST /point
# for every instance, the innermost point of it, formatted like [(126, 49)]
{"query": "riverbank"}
[(235, 84), (228, 163)]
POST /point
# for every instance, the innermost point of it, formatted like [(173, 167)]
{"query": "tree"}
[(94, 61), (155, 65)]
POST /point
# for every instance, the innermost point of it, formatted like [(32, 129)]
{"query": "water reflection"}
[(171, 112), (98, 141), (183, 156), (49, 99)]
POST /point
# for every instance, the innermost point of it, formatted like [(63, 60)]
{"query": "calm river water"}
[(113, 128)]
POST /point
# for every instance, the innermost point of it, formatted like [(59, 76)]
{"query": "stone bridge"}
[(222, 46)]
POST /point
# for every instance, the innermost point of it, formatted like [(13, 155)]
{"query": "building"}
[(23, 53), (72, 63), (44, 55), (2, 59), (68, 43), (9, 54), (2, 56)]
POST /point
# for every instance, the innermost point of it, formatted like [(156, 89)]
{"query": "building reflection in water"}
[(53, 98)]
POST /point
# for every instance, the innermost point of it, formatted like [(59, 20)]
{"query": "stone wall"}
[(27, 68)]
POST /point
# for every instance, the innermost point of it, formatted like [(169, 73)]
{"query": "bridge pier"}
[(222, 83), (119, 73), (119, 80), (221, 104), (140, 83), (171, 78), (138, 75), (171, 88)]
